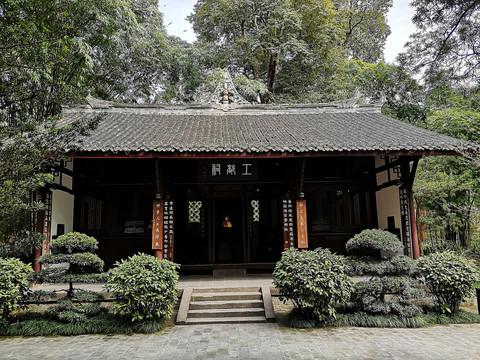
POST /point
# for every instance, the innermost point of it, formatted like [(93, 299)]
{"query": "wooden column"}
[(407, 210), (44, 226), (413, 219)]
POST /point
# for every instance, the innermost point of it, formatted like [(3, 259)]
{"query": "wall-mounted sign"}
[(227, 170), (302, 224), (157, 225), (168, 233), (288, 227)]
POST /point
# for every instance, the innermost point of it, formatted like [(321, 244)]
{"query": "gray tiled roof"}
[(137, 129)]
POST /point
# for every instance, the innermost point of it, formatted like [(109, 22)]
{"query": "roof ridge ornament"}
[(226, 93)]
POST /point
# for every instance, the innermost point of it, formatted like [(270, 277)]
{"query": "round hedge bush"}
[(14, 285), (144, 287), (449, 277), (372, 241), (313, 281)]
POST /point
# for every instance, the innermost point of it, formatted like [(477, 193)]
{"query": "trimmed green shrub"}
[(371, 242), (370, 296), (73, 242), (449, 277), (75, 263), (313, 281), (390, 286), (144, 287), (395, 265), (14, 285)]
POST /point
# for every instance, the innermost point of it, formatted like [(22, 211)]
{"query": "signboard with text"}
[(168, 229), (227, 170), (157, 225), (302, 224), (288, 227)]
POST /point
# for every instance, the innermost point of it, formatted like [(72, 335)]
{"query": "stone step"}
[(226, 304), (219, 296), (226, 320), (223, 313), (226, 289)]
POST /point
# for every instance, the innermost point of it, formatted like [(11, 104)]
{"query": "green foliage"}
[(73, 242), (131, 65), (390, 286), (250, 89), (371, 295), (371, 242), (445, 39), (75, 312), (79, 262), (14, 285), (362, 319), (293, 48), (449, 277), (366, 29), (47, 324), (312, 280), (74, 265), (144, 287), (395, 265)]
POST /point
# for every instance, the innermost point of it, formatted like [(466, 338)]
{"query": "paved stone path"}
[(256, 341)]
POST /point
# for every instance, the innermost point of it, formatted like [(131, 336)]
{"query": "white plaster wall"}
[(388, 200), (63, 203), (62, 211)]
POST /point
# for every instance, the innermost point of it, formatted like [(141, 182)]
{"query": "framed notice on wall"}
[(302, 224), (157, 225)]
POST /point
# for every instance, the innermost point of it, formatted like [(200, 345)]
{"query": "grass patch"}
[(296, 319), (361, 319), (44, 324)]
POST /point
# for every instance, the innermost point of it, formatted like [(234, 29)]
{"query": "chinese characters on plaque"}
[(302, 224), (288, 229), (228, 170), (168, 234)]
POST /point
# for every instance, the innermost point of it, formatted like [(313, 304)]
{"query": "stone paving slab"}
[(256, 341)]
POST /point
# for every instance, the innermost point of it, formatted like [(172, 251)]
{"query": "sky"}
[(399, 18)]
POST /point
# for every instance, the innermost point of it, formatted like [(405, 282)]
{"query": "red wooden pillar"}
[(409, 222)]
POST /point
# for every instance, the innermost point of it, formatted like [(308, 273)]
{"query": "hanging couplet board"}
[(288, 229), (302, 224), (168, 234), (157, 225), (405, 216), (47, 224)]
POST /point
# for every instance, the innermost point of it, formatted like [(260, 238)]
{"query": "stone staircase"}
[(225, 305)]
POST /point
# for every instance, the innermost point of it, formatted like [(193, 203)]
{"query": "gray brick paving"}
[(256, 341)]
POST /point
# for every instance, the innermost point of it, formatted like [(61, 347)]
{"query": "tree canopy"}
[(48, 52), (291, 46), (447, 39)]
